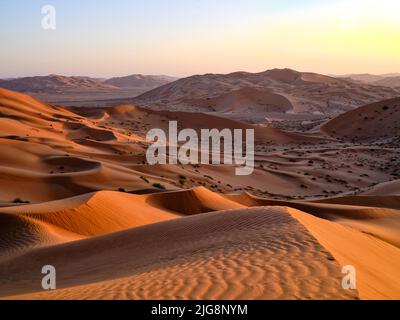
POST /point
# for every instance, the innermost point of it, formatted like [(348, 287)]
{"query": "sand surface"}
[(154, 251), (76, 193)]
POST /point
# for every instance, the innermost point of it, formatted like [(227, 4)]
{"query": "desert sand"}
[(266, 96), (76, 193), (73, 90)]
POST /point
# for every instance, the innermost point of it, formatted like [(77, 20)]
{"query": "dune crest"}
[(173, 237), (236, 254)]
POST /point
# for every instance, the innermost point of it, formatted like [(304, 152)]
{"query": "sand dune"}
[(77, 193), (376, 261), (385, 201), (190, 202), (68, 90), (273, 93), (378, 217), (376, 121), (363, 77), (246, 99), (196, 255), (216, 255), (139, 81), (386, 188), (53, 83), (19, 234), (60, 153), (389, 82), (94, 215)]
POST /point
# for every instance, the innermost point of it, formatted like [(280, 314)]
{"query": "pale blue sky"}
[(176, 37)]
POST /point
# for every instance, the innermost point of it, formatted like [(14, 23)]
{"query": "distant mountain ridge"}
[(52, 83), (139, 80), (58, 84), (387, 80), (278, 90)]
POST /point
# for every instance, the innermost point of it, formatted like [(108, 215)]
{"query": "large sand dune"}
[(375, 121), (229, 254), (269, 252), (61, 152), (245, 100), (77, 193), (274, 94), (71, 90)]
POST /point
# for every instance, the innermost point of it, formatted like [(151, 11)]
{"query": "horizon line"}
[(388, 74)]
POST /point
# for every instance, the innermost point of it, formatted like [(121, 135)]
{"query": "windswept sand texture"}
[(76, 193), (238, 254)]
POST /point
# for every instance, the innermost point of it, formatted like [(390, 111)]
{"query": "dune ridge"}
[(213, 255), (152, 221)]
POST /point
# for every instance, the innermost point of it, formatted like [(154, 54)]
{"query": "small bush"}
[(18, 200), (144, 179), (159, 186)]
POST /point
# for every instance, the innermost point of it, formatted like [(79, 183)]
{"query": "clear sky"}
[(183, 37)]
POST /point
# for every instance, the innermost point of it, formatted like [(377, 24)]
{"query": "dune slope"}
[(375, 121), (237, 254), (76, 192)]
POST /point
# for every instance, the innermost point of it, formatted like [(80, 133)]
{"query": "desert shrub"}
[(18, 200), (159, 186)]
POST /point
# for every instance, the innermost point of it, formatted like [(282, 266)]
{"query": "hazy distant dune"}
[(64, 89), (386, 80), (307, 93), (139, 80), (389, 82), (53, 84)]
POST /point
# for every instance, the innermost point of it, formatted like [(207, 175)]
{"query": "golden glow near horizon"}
[(337, 37), (346, 37), (361, 36)]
